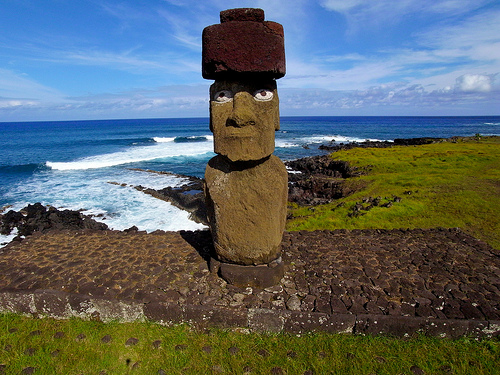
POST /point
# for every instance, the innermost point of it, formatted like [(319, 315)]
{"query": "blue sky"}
[(105, 59)]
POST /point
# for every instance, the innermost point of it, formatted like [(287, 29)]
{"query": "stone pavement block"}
[(470, 311), (204, 316), (79, 304), (104, 310), (163, 312), (302, 322), (451, 328), (52, 303), (17, 302), (493, 329), (398, 326), (479, 328), (340, 323), (267, 320), (125, 311)]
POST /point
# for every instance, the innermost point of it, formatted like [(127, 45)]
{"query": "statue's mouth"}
[(245, 132)]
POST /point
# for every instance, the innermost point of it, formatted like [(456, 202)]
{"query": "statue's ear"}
[(210, 95), (210, 124), (277, 121)]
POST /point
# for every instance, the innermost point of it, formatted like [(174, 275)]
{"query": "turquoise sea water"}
[(69, 164)]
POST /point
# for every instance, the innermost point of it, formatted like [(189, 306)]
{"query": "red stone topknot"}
[(243, 44)]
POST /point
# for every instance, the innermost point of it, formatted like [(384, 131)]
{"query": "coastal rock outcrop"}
[(188, 197), (321, 179), (381, 144), (38, 218)]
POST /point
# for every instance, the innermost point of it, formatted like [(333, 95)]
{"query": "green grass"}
[(185, 351), (441, 185)]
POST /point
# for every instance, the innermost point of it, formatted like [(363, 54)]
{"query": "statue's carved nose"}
[(242, 114)]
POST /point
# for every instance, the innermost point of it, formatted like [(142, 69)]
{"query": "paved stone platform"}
[(439, 281)]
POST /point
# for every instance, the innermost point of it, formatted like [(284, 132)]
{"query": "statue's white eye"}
[(223, 96), (263, 95)]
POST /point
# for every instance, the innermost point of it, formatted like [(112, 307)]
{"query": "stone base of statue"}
[(246, 206), (261, 276)]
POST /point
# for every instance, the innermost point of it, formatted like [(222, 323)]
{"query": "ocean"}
[(70, 164)]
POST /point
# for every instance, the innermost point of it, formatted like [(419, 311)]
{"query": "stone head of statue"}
[(245, 56)]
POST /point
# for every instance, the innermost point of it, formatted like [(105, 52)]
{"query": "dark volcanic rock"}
[(416, 141), (323, 165), (381, 144), (38, 218), (188, 197), (321, 180), (9, 221), (347, 146)]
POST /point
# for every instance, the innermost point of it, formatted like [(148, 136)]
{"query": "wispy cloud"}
[(393, 10), (476, 37), (182, 30), (20, 87)]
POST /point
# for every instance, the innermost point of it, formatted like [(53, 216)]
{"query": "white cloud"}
[(474, 83), (320, 75), (183, 29), (469, 90), (165, 101), (16, 103)]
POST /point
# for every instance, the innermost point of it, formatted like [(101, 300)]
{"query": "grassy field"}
[(47, 346), (438, 185), (446, 184)]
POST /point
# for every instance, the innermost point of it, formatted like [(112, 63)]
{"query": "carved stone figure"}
[(245, 185)]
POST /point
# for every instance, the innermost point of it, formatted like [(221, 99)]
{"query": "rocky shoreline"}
[(38, 218), (311, 181)]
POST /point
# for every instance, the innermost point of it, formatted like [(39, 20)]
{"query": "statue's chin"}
[(243, 149)]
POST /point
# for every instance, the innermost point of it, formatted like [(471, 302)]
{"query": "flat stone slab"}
[(439, 281)]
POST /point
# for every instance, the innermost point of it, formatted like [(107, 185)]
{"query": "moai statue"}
[(245, 184)]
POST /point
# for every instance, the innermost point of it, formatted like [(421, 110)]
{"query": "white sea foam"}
[(135, 154), (301, 141), (208, 137), (163, 139), (5, 239), (149, 214), (338, 139), (117, 204)]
